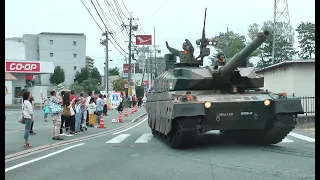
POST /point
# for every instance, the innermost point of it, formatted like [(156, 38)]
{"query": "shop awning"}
[(10, 77)]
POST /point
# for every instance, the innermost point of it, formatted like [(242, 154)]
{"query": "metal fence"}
[(308, 104)]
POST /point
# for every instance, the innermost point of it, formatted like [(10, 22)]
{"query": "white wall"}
[(15, 49), (279, 79), (8, 99), (304, 79)]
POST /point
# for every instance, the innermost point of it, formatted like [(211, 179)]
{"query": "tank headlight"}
[(207, 104), (266, 102)]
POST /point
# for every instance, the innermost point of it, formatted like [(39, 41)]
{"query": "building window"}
[(74, 43), (74, 55), (74, 67), (51, 41), (51, 54)]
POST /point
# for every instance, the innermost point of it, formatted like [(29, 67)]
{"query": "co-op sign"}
[(22, 67)]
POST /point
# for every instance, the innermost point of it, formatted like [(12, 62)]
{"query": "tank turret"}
[(242, 56), (186, 76)]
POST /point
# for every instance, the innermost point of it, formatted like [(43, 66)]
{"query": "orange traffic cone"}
[(120, 117), (132, 110), (135, 108), (101, 122), (125, 112)]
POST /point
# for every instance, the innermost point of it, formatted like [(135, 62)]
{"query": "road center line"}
[(306, 138), (42, 157), (129, 127)]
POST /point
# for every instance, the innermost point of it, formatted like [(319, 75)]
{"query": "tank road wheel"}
[(274, 132)]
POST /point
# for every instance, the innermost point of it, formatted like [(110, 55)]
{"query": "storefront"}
[(22, 74)]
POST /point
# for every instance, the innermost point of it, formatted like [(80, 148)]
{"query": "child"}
[(46, 110), (92, 107), (78, 115)]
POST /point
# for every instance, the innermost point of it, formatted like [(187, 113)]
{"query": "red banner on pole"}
[(126, 70), (143, 39)]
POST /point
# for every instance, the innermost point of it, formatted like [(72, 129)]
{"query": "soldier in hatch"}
[(221, 61), (186, 56)]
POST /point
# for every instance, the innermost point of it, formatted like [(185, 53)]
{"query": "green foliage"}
[(306, 38), (230, 44), (90, 85), (284, 49), (114, 71), (139, 91), (58, 76), (118, 85), (84, 74), (95, 74)]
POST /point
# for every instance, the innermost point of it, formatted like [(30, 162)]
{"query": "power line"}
[(107, 28), (92, 16), (157, 10), (125, 7)]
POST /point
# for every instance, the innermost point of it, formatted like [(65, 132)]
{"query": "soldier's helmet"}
[(184, 45), (220, 54)]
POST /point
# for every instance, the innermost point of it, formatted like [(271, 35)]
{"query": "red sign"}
[(126, 69), (143, 39), (23, 67)]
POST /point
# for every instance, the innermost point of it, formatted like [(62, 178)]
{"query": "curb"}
[(139, 117)]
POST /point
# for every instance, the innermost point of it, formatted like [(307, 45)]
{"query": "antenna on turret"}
[(203, 42)]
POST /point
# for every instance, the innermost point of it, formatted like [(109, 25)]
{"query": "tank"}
[(189, 100)]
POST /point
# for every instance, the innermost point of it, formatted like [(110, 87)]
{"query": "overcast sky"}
[(174, 20)]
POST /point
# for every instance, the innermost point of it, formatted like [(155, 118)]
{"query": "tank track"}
[(183, 129), (274, 132)]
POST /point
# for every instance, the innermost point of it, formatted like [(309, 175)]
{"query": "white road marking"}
[(130, 127), (118, 139), (145, 138), (286, 140), (42, 157), (306, 138)]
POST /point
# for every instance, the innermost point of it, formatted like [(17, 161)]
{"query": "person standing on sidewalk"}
[(33, 106), (27, 116), (78, 115), (99, 108), (56, 115), (72, 98)]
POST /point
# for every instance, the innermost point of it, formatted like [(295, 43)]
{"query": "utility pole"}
[(129, 64), (106, 69), (155, 52)]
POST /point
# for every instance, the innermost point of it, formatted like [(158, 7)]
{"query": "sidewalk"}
[(14, 130)]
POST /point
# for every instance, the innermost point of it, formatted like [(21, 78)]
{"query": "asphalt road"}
[(134, 154), (14, 130)]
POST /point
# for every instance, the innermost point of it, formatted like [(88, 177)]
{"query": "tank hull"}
[(230, 113)]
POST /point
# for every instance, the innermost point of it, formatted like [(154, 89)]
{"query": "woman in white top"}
[(28, 116)]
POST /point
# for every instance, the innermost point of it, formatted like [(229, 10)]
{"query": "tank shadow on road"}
[(212, 141)]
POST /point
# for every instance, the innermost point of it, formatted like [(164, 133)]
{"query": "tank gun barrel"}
[(241, 56)]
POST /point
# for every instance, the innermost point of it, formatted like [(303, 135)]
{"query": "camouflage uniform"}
[(184, 57)]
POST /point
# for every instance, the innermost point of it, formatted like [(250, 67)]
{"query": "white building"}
[(295, 77), (18, 70), (67, 50)]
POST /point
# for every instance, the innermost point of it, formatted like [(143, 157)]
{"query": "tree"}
[(90, 84), (118, 85), (95, 74), (284, 49), (58, 76), (229, 43), (306, 38), (84, 74), (114, 71)]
